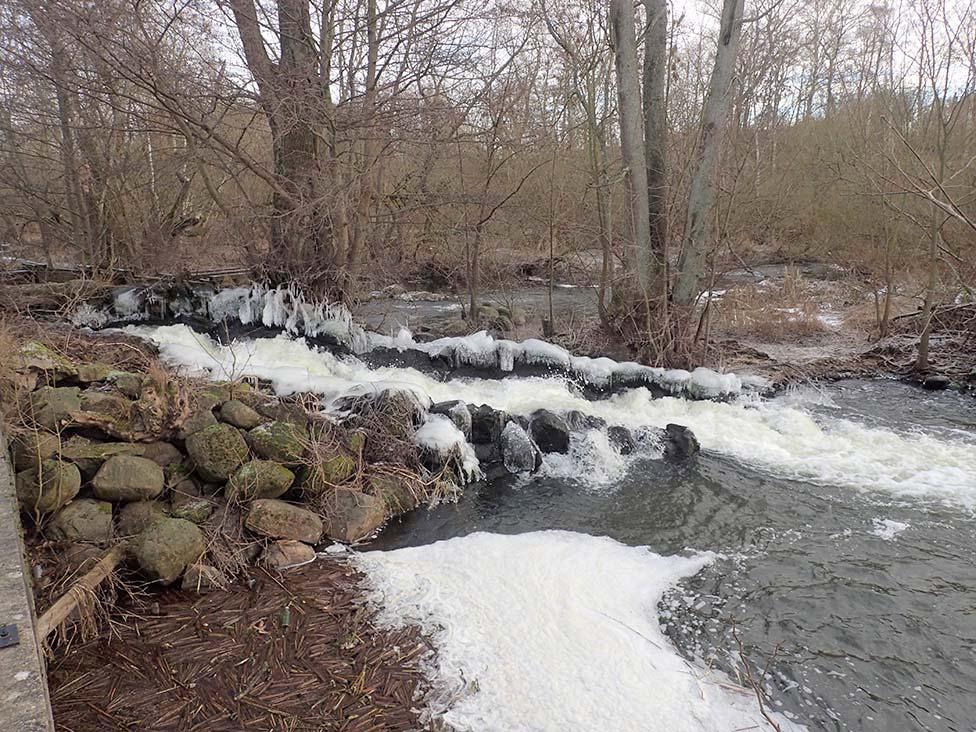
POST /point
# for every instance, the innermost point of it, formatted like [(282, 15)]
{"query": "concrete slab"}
[(24, 702)]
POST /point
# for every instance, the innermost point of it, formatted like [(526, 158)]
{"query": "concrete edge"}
[(25, 704)]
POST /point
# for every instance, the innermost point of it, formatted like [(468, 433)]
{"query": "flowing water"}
[(832, 528)]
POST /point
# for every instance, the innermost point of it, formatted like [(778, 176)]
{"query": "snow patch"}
[(552, 631), (439, 435)]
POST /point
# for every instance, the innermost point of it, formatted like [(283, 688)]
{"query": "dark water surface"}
[(872, 628)]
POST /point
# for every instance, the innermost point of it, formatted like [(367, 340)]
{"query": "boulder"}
[(162, 453), (167, 547), (188, 502), (621, 439), (50, 405), (48, 487), (351, 515), (107, 403), (84, 519), (201, 578), (283, 412), (259, 479), (128, 383), (680, 442), (328, 472), (238, 414), (519, 453), (196, 422), (89, 455), (136, 517), (397, 493), (91, 372), (487, 453), (457, 412), (287, 553), (217, 452), (283, 442), (487, 424), (128, 478), (32, 446), (550, 431), (579, 422), (35, 356), (936, 382), (279, 520)]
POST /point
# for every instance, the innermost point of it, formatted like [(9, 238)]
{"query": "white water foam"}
[(553, 631), (781, 439), (888, 529)]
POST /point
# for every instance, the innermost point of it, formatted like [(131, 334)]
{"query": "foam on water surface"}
[(553, 631), (781, 438)]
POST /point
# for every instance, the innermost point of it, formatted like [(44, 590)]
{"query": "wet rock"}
[(487, 424), (936, 383), (196, 422), (91, 372), (128, 478), (680, 442), (287, 553), (283, 442), (128, 383), (48, 487), (167, 548), (487, 453), (519, 453), (33, 446), (202, 578), (188, 502), (259, 479), (279, 520), (579, 422), (52, 405), (550, 431), (621, 439), (136, 517), (395, 492), (162, 453), (84, 519), (217, 451), (352, 515), (457, 411), (238, 414)]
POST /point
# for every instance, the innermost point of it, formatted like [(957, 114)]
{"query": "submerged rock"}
[(680, 442), (167, 547), (519, 453), (84, 519), (283, 442), (578, 421), (279, 520), (550, 431), (238, 414), (217, 451), (621, 439), (48, 487), (287, 553), (259, 479), (352, 515), (128, 478)]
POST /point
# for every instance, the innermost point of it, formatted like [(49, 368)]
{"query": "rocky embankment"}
[(201, 479)]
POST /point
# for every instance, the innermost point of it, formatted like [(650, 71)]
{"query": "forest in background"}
[(353, 143)]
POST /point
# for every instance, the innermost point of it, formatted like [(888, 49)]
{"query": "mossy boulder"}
[(89, 373), (259, 479), (167, 547), (196, 422), (89, 455), (279, 520), (188, 502), (283, 412), (35, 356), (238, 414), (32, 446), (283, 442), (217, 452), (136, 517), (128, 383), (52, 405), (128, 478), (108, 403), (162, 453), (351, 515), (47, 487), (84, 519), (327, 473), (398, 495)]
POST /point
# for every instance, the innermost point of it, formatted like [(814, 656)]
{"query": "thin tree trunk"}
[(655, 128)]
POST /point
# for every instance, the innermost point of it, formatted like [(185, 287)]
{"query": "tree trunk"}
[(655, 128), (701, 199)]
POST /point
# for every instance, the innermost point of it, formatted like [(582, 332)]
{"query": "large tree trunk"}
[(701, 199), (632, 142), (655, 128)]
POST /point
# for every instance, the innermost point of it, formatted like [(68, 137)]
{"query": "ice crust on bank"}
[(552, 631), (775, 435)]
